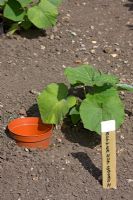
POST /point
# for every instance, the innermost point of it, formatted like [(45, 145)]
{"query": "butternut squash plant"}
[(25, 13), (98, 99)]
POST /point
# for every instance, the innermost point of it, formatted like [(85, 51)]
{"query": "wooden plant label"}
[(108, 154)]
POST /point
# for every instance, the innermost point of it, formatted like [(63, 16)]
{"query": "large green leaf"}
[(24, 3), (14, 11), (84, 74), (2, 2), (43, 15), (106, 79), (26, 24), (100, 107), (56, 2), (54, 104), (87, 75), (122, 86)]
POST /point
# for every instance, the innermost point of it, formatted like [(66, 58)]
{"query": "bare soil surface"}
[(98, 32)]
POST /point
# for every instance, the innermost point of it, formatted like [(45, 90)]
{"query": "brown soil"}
[(97, 32)]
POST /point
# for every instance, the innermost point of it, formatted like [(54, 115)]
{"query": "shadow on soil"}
[(88, 165), (129, 113), (77, 134), (32, 33), (33, 111), (129, 5)]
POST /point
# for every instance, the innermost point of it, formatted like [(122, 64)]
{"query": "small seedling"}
[(92, 97), (26, 13)]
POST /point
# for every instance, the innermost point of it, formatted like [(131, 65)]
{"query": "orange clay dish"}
[(30, 132)]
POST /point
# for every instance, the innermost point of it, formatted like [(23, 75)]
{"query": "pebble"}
[(82, 45), (67, 161), (107, 49), (99, 59), (84, 3), (73, 42), (34, 92), (117, 44), (43, 47), (129, 180), (119, 151), (93, 51), (35, 178), (95, 47), (122, 137), (66, 19), (86, 62), (78, 61), (117, 49), (27, 150), (59, 140), (35, 54), (92, 27), (125, 61), (1, 106), (94, 42), (114, 55), (52, 37), (73, 33)]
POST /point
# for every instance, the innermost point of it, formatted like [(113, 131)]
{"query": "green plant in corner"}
[(98, 99), (25, 13)]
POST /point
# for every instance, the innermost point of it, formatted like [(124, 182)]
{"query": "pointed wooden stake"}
[(108, 154)]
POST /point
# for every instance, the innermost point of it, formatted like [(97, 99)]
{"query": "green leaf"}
[(122, 86), (26, 24), (87, 75), (106, 79), (14, 11), (56, 2), (3, 2), (43, 15), (54, 104), (75, 115), (100, 107), (24, 3)]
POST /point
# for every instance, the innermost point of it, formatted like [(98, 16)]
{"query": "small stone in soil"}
[(129, 180), (52, 37), (93, 51), (34, 92), (107, 49), (35, 178), (114, 55), (43, 47), (64, 66), (94, 42), (27, 150), (92, 27), (78, 61)]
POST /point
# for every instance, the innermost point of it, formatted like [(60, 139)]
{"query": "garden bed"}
[(90, 31)]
